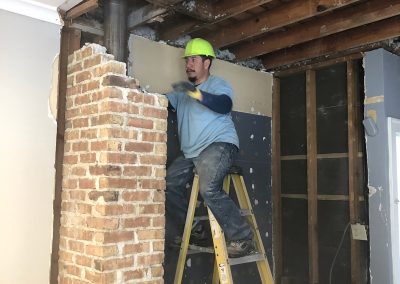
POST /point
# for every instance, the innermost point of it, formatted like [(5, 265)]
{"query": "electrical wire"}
[(337, 252)]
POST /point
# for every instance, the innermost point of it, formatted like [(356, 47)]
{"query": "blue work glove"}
[(188, 88)]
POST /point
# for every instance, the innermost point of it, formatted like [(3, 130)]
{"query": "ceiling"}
[(278, 33)]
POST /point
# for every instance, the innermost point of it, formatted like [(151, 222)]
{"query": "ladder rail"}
[(186, 232), (244, 202), (222, 266)]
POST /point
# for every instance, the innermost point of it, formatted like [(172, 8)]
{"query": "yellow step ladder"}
[(222, 267)]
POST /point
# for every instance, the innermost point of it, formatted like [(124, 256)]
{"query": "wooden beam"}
[(318, 65), (338, 21), (354, 183), (81, 9), (276, 182), (311, 108), (70, 41), (220, 11), (144, 14), (284, 15), (354, 38)]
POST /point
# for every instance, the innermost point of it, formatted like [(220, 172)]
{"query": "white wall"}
[(157, 65), (27, 148)]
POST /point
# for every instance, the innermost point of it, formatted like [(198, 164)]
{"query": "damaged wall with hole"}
[(157, 65), (382, 70), (27, 148)]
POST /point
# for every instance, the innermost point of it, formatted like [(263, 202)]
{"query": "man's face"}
[(197, 69)]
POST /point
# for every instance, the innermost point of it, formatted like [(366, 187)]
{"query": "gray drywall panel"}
[(27, 147), (381, 81), (392, 84)]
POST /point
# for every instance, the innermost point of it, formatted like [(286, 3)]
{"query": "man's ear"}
[(207, 63)]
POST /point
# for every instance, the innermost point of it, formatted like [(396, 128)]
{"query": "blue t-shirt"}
[(199, 126)]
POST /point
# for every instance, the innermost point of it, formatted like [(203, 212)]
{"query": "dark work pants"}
[(211, 165)]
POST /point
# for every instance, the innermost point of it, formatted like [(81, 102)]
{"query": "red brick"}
[(150, 234), (86, 183), (153, 160), (140, 123), (117, 236), (118, 133), (100, 277), (157, 271), (147, 260), (80, 122), (136, 196), (80, 146), (116, 158), (111, 106), (78, 171), (158, 222), (154, 137), (139, 147), (158, 245), (67, 206), (86, 51), (92, 61), (134, 274), (158, 196), (137, 222), (102, 223), (72, 270), (110, 209), (113, 264), (82, 208), (105, 146), (135, 97), (88, 133), (110, 67), (70, 159), (81, 99), (72, 68), (70, 183), (100, 250), (76, 246), (119, 81), (108, 170), (151, 209), (137, 171), (108, 196), (89, 109), (155, 112), (152, 184), (87, 158), (83, 76), (107, 119), (90, 86), (72, 113), (74, 90), (65, 256), (108, 182), (71, 134), (83, 260), (77, 195), (107, 92), (148, 99)]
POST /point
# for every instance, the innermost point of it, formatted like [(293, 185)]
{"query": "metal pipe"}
[(115, 28)]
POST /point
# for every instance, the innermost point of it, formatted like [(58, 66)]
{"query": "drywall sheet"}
[(255, 160), (27, 148), (157, 65), (382, 70)]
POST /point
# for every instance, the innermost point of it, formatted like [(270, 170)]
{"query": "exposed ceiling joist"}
[(338, 21), (300, 10), (144, 14), (354, 38), (221, 11), (81, 9)]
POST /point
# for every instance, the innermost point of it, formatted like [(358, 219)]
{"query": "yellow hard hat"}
[(199, 46)]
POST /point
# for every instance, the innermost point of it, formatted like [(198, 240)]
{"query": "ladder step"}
[(193, 249), (243, 212), (246, 259)]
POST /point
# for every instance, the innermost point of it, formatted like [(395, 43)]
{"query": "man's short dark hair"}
[(204, 58)]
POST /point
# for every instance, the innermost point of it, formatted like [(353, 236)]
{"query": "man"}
[(208, 141)]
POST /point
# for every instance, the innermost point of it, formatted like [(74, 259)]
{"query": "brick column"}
[(112, 215)]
